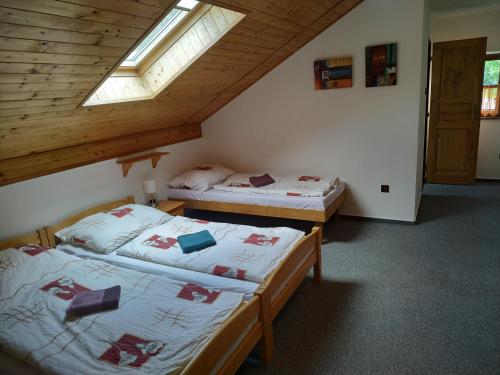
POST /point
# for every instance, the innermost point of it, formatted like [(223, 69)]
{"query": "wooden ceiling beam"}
[(35, 165)]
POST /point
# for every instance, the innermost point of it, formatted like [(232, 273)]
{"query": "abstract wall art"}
[(334, 73), (381, 65)]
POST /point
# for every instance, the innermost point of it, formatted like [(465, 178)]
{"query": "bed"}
[(272, 292), (184, 328), (306, 198)]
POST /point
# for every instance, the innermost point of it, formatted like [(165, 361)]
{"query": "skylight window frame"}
[(107, 93), (133, 66)]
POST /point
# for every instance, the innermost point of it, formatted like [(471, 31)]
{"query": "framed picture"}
[(334, 73), (381, 65)]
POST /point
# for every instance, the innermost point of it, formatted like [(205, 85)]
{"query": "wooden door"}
[(456, 92)]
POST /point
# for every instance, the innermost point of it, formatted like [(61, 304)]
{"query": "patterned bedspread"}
[(158, 328), (285, 184), (242, 252)]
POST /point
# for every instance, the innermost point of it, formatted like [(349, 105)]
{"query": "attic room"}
[(249, 187)]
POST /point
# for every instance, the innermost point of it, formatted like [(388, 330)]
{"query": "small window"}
[(491, 87), (164, 27)]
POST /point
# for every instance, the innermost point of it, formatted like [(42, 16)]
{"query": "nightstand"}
[(175, 208)]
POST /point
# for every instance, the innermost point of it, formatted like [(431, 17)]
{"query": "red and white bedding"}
[(285, 185), (301, 203), (158, 328), (242, 252)]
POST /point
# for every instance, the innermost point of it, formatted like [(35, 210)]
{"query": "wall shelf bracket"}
[(153, 156)]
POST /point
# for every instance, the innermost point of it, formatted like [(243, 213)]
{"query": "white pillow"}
[(103, 232), (201, 178), (148, 216)]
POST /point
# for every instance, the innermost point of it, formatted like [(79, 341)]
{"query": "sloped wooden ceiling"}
[(53, 54)]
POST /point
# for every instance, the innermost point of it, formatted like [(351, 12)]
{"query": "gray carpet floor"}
[(399, 298)]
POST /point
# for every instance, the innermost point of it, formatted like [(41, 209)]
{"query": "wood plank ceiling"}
[(54, 53)]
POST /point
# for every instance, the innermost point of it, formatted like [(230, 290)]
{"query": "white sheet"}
[(242, 251), (284, 184), (158, 328), (303, 203), (210, 281)]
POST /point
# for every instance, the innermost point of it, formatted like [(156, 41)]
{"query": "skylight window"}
[(185, 33), (164, 27)]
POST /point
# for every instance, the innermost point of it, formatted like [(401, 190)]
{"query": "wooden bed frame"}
[(237, 336), (272, 293), (39, 237), (318, 217)]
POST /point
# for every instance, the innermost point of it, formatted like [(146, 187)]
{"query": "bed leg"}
[(320, 224), (317, 265), (267, 341)]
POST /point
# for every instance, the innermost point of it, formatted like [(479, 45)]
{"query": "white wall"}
[(471, 24), (29, 205), (426, 26), (366, 136)]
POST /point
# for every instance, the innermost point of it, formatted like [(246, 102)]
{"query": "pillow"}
[(148, 216), (103, 232), (201, 178)]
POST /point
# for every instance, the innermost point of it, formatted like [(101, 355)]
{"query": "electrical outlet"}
[(384, 188)]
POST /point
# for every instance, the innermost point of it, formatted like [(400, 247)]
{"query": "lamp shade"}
[(150, 186)]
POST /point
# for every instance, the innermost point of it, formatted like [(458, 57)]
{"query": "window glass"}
[(164, 27), (491, 72)]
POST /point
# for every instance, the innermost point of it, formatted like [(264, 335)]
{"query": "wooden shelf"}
[(127, 163)]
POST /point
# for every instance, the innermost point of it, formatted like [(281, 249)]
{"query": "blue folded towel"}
[(196, 241)]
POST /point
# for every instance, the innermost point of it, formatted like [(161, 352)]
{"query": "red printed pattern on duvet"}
[(131, 351), (64, 288), (32, 250), (261, 240), (235, 273), (199, 221), (78, 241), (196, 293), (120, 213), (160, 242), (310, 178)]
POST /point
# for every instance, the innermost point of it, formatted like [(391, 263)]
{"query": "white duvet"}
[(285, 184), (242, 252), (158, 328)]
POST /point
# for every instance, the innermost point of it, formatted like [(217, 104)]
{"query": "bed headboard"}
[(39, 237), (77, 217)]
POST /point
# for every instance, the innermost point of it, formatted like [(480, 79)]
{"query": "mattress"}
[(303, 203), (179, 274)]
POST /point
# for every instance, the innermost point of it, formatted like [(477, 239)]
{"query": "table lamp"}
[(150, 190)]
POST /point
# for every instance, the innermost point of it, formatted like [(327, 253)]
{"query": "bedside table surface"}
[(169, 206)]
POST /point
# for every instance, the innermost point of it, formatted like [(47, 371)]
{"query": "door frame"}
[(427, 101)]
